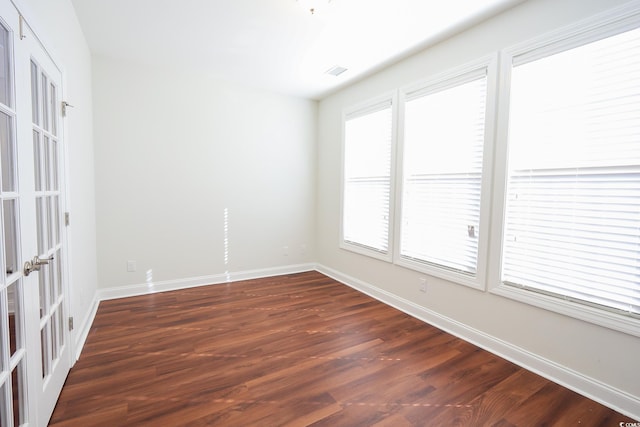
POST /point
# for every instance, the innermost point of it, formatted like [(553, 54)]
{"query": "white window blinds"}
[(367, 177), (442, 154), (572, 225)]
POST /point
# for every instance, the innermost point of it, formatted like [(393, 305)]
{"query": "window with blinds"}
[(444, 132), (368, 141), (572, 219)]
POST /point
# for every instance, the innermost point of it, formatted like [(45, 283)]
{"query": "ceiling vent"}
[(336, 71)]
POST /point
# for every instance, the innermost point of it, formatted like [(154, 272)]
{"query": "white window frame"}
[(450, 79), (600, 26), (363, 108)]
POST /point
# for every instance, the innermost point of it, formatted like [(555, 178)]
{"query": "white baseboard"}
[(609, 396), (172, 285), (85, 327)]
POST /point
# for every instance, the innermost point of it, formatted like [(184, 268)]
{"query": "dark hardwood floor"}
[(297, 350)]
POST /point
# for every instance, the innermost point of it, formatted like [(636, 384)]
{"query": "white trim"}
[(85, 328), (191, 282), (450, 78), (364, 250), (29, 20), (593, 389), (376, 104), (369, 106), (602, 25)]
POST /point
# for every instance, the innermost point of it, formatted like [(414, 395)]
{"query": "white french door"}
[(35, 355)]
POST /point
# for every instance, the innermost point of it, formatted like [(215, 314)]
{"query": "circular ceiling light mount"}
[(313, 5)]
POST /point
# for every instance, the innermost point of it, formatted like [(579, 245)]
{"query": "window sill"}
[(364, 250), (457, 277)]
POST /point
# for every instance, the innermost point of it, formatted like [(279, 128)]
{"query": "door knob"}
[(35, 264), (41, 261)]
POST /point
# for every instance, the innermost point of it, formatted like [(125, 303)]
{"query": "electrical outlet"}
[(131, 266), (285, 250), (422, 281)]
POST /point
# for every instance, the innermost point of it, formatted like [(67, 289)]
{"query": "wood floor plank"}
[(296, 350)]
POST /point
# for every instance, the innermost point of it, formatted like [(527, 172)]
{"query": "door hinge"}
[(66, 219), (21, 28), (70, 323)]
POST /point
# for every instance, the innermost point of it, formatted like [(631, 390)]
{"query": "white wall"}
[(56, 24), (594, 357), (174, 149)]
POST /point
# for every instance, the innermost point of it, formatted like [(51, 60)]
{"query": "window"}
[(367, 178), (442, 146), (572, 216)]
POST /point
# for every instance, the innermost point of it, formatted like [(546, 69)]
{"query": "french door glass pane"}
[(45, 101), (54, 99), (61, 326), (58, 262), (18, 386), (48, 221), (4, 396), (55, 332), (47, 162), (15, 318), (9, 208), (35, 98), (54, 164), (44, 346), (42, 285), (53, 290), (5, 67), (42, 241), (7, 153), (16, 397), (37, 156), (55, 220)]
